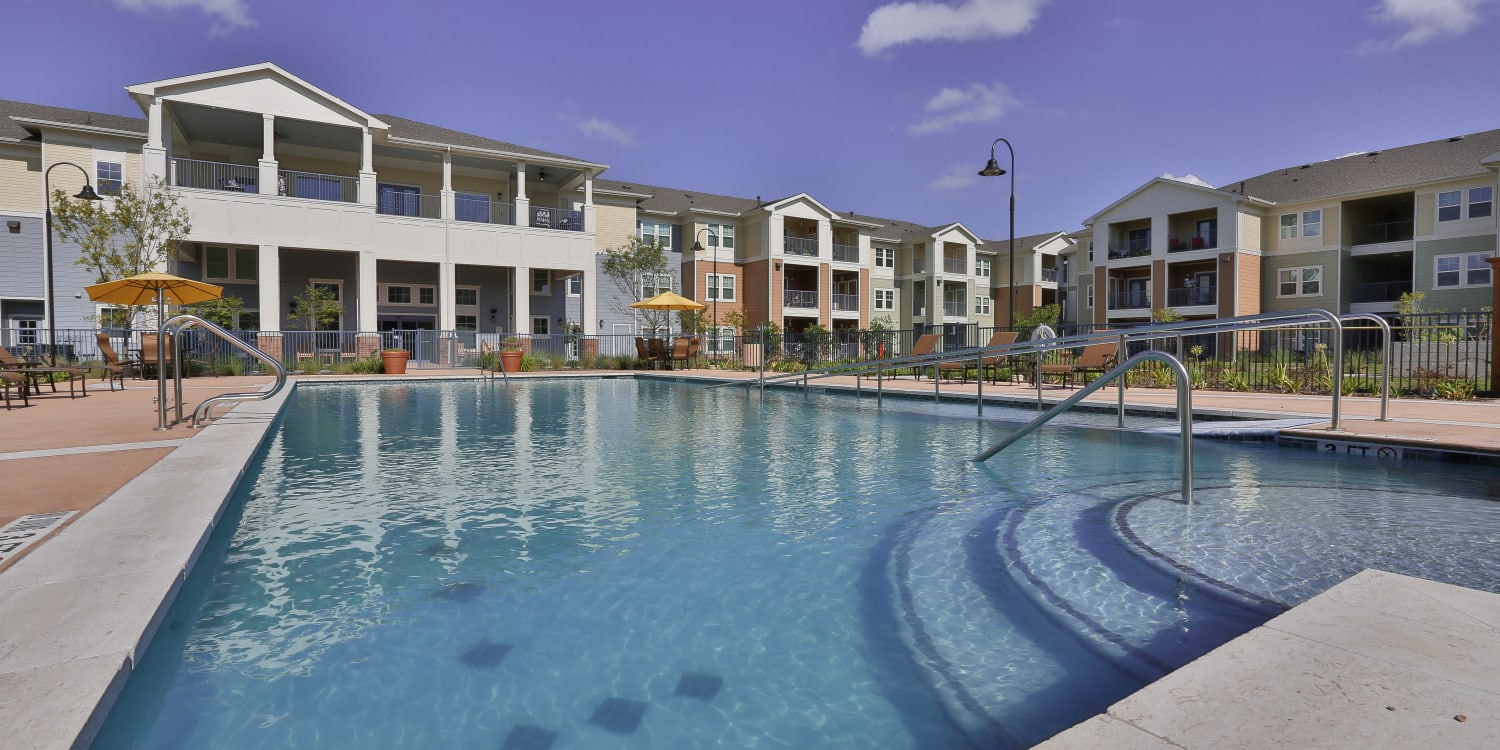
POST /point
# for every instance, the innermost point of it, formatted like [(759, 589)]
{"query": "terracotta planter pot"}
[(394, 363), (510, 360)]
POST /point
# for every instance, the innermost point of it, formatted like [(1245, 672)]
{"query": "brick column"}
[(1494, 321)]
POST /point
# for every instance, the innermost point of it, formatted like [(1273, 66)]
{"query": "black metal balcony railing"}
[(410, 204), (799, 298), (1049, 274), (1132, 300), (846, 302), (1130, 249), (846, 253), (1375, 234), (1191, 242), (955, 265), (1380, 291), (1188, 296), (800, 246), (546, 217)]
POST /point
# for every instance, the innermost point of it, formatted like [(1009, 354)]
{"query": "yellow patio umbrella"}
[(143, 289), (668, 301)]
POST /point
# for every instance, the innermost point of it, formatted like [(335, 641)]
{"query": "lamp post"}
[(718, 285), (87, 194), (992, 169)]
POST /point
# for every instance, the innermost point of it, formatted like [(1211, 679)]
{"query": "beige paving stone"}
[(1106, 732), (53, 707), (56, 622)]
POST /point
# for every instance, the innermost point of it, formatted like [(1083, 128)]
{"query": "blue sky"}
[(872, 107)]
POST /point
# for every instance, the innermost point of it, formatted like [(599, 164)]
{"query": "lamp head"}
[(697, 246), (88, 194), (991, 169)]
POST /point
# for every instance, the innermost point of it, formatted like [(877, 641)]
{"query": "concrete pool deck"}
[(79, 607)]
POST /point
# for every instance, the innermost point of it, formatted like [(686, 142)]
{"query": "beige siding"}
[(1332, 229), (490, 186), (1426, 214), (1250, 231), (615, 225), (20, 182), (68, 179), (430, 183), (133, 173), (748, 241)]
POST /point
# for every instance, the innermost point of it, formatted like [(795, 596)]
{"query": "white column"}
[(448, 210), (523, 204), (268, 175), (367, 181), (587, 305), (154, 154), (369, 292), (521, 294), (588, 202), (268, 273), (446, 309)]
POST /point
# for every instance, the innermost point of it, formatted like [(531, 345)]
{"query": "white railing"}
[(483, 211), (213, 175), (323, 187)]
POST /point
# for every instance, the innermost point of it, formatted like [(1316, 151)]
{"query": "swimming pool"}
[(620, 563)]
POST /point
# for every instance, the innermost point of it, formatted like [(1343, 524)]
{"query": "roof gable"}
[(1157, 184), (263, 87)]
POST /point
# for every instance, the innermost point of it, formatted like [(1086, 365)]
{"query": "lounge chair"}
[(1098, 358), (77, 379), (22, 384), (924, 345), (114, 367), (681, 352), (962, 366), (643, 354)]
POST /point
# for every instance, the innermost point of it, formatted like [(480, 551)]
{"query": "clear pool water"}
[(612, 563)]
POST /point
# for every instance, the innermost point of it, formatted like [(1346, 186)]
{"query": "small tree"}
[(315, 308), (135, 232), (881, 336), (1166, 315), (223, 312), (635, 268)]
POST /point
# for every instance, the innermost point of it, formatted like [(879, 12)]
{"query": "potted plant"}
[(510, 354), (393, 361)]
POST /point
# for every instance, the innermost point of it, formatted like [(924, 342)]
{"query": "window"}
[(575, 285), (248, 320), (1481, 201), (1312, 223), (982, 267), (541, 325), (885, 257), (426, 295), (885, 299), (471, 207), (407, 294), (1460, 271), (1289, 226), (230, 264), (981, 305), (541, 281), (398, 295), (466, 296), (110, 176), (654, 232), (1481, 204), (722, 340), (1299, 282), (1450, 205), (650, 287), (1089, 296), (398, 200), (721, 283), (26, 330), (466, 322), (720, 235)]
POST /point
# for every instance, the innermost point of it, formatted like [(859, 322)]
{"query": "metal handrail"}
[(176, 325), (1184, 413), (1385, 358)]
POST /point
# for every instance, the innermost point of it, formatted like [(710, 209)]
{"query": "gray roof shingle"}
[(12, 130), (1447, 159), (421, 131)]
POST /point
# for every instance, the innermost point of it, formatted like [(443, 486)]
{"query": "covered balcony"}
[(799, 294), (1130, 292), (222, 149), (845, 296), (955, 259), (1196, 284), (1193, 230), (800, 237), (1130, 239), (1381, 224), (846, 247), (955, 300), (1379, 281)]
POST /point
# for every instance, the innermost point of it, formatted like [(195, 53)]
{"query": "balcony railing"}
[(800, 299), (846, 302), (918, 264), (322, 187), (955, 265), (1198, 294), (1380, 291), (1375, 234), (1190, 242), (483, 211), (213, 175), (846, 253), (1131, 249), (1049, 274), (800, 246), (1132, 300), (410, 204), (955, 308), (546, 217)]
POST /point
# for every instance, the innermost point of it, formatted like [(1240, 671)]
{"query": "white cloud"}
[(605, 130), (228, 14), (895, 24), (959, 176), (1189, 178), (952, 107), (1423, 20)]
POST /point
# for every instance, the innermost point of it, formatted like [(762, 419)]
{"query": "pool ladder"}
[(176, 325)]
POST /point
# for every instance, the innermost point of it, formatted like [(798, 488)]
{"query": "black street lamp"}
[(992, 169), (87, 194), (718, 281)]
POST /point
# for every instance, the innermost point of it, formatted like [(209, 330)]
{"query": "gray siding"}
[(21, 257), (1451, 300), (1271, 268)]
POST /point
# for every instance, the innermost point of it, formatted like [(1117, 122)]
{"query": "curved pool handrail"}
[(182, 321)]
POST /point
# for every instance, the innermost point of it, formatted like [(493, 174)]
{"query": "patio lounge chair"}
[(681, 352), (77, 377), (999, 338), (923, 346), (1098, 358), (22, 384), (114, 367), (643, 353)]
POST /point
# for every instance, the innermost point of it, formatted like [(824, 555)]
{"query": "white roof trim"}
[(80, 128), (496, 153), (144, 92), (1154, 181)]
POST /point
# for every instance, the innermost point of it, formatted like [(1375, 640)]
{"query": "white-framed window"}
[(1289, 226), (247, 320), (109, 176), (466, 296), (1451, 204), (656, 232), (334, 287), (109, 316), (234, 265), (409, 294), (1089, 296), (720, 235), (885, 299), (885, 257), (1312, 223), (1481, 201), (465, 322), (982, 267), (654, 284), (721, 340), (575, 285), (541, 325), (27, 330), (721, 283), (541, 281), (981, 305), (1460, 271), (1303, 281)]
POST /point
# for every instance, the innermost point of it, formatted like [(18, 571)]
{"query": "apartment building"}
[(1350, 234), (409, 225)]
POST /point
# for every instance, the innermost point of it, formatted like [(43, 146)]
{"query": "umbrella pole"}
[(161, 360)]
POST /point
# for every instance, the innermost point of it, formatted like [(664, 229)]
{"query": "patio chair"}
[(36, 374), (925, 344), (114, 367), (657, 351), (1098, 358), (681, 351), (148, 352), (22, 384), (693, 344), (643, 354), (999, 338)]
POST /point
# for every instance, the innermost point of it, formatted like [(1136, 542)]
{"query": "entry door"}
[(621, 342), (1135, 292)]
